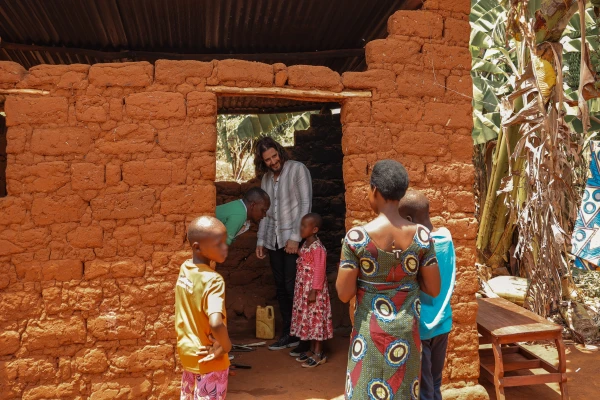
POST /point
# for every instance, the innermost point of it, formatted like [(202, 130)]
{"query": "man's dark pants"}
[(432, 365), (284, 272)]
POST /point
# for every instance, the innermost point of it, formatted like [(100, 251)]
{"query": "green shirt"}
[(234, 216)]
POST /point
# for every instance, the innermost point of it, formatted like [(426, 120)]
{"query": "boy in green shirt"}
[(236, 215)]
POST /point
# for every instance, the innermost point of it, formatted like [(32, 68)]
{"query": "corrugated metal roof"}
[(266, 28)]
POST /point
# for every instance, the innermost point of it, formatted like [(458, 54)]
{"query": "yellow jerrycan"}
[(265, 322)]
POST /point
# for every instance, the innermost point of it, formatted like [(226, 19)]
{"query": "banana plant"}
[(523, 103)]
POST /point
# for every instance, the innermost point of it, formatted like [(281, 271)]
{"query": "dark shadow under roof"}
[(331, 33)]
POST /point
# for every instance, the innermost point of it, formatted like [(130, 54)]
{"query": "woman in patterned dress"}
[(384, 264)]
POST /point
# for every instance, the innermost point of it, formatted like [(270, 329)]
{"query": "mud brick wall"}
[(2, 156), (104, 172)]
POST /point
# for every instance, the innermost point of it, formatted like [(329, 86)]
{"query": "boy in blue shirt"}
[(436, 313)]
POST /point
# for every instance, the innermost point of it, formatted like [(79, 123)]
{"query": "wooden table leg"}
[(498, 370), (562, 367)]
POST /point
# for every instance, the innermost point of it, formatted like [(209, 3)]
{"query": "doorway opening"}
[(312, 134)]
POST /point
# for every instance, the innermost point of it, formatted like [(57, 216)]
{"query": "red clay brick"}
[(128, 138), (360, 140), (51, 333), (463, 228), (421, 143), (457, 31), (157, 232), (244, 73), (438, 56), (86, 237), (155, 105), (314, 77), (461, 201), (62, 270), (281, 74), (57, 209), (44, 177), (60, 141), (45, 76), (13, 210), (188, 139), (35, 110), (16, 138), (201, 104), (392, 51), (188, 199), (442, 173), (11, 72), (461, 148), (459, 6), (132, 204), (149, 172), (355, 169), (202, 167), (459, 89), (381, 79), (173, 72), (116, 326), (448, 115), (85, 176), (418, 23), (356, 111), (128, 74), (397, 111), (420, 84), (91, 109)]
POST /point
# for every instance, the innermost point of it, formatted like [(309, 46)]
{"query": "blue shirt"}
[(436, 313)]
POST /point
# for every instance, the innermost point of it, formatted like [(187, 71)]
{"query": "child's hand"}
[(312, 296), (210, 352)]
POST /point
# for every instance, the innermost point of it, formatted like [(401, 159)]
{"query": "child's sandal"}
[(304, 356), (312, 362)]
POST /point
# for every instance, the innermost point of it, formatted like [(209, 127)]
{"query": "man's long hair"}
[(263, 145)]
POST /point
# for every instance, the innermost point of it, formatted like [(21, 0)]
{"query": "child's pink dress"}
[(311, 321)]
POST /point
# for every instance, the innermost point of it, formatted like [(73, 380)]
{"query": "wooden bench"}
[(503, 324)]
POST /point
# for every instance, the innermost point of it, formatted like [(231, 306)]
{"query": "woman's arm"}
[(429, 280), (346, 283)]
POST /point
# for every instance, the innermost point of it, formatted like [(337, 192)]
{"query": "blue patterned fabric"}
[(586, 234)]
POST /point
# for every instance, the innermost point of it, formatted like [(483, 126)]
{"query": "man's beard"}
[(278, 168)]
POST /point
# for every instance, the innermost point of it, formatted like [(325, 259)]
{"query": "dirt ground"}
[(276, 375)]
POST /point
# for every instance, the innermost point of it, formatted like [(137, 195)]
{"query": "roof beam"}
[(288, 93), (156, 55)]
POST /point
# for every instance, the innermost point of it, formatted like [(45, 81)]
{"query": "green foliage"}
[(238, 133)]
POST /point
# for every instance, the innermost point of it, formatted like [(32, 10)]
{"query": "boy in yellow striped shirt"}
[(200, 317)]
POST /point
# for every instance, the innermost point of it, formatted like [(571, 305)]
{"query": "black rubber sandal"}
[(311, 362), (304, 356)]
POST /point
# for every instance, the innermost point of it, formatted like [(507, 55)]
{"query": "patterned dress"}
[(384, 359), (311, 321)]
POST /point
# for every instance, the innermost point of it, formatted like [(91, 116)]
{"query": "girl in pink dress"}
[(311, 315)]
